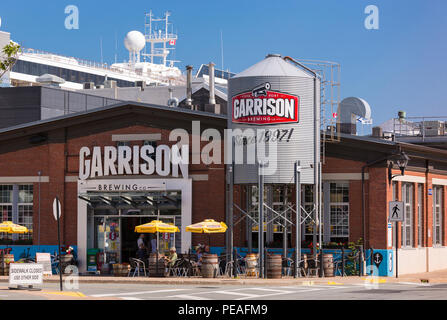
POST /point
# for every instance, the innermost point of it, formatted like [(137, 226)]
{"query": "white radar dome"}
[(134, 41)]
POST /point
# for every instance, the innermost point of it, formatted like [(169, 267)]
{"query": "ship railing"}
[(91, 64)]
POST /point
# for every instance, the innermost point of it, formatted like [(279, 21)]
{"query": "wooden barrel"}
[(328, 264), (274, 264), (209, 266), (121, 269), (156, 268), (251, 261), (4, 263)]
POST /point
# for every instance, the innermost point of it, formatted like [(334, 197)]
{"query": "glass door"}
[(108, 238)]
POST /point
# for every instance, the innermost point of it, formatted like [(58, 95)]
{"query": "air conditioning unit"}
[(89, 85), (140, 84), (110, 84), (434, 128)]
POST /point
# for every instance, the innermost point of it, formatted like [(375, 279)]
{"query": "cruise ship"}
[(75, 74)]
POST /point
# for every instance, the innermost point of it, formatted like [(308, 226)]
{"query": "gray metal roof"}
[(115, 106), (273, 65)]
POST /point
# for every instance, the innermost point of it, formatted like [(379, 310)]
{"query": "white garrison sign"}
[(396, 212)]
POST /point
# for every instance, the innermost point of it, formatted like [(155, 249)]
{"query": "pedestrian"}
[(141, 248), (154, 245)]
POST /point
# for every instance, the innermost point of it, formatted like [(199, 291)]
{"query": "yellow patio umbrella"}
[(156, 226), (10, 227), (208, 226)]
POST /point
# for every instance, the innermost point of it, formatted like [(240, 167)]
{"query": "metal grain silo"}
[(283, 99)]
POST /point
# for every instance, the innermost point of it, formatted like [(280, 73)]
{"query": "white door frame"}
[(182, 185)]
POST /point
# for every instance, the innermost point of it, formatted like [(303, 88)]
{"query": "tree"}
[(9, 57)]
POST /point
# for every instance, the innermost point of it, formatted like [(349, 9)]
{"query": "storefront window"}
[(407, 224), (114, 216), (437, 214), (24, 208), (339, 211), (308, 216), (420, 212)]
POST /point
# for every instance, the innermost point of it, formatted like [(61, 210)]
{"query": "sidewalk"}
[(430, 277)]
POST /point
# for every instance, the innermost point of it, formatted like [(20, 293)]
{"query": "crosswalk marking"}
[(243, 293), (134, 293), (188, 296), (249, 295)]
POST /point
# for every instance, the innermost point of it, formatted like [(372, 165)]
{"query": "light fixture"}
[(401, 161)]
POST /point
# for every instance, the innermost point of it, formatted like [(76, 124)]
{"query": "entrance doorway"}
[(113, 218)]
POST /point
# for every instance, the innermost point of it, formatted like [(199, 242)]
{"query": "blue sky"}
[(401, 66)]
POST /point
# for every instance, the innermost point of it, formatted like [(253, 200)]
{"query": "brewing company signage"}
[(263, 106), (124, 160)]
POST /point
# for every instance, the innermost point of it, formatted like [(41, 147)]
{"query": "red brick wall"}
[(60, 157)]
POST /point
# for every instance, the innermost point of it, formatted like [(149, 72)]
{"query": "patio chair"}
[(338, 267), (287, 264), (178, 269), (313, 266), (136, 265)]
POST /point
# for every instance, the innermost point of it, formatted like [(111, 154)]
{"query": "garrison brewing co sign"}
[(264, 106)]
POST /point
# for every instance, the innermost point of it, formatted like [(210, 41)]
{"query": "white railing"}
[(72, 61)]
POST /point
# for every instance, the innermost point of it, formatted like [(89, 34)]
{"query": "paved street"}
[(309, 291)]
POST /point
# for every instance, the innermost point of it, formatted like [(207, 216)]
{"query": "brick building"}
[(45, 159)]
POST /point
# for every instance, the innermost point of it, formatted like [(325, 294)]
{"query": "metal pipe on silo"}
[(189, 86), (211, 83)]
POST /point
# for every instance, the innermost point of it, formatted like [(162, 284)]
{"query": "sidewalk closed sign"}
[(25, 274)]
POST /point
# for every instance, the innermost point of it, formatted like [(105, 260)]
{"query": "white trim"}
[(24, 179), (71, 178), (136, 137), (199, 177), (441, 182), (406, 178), (344, 176)]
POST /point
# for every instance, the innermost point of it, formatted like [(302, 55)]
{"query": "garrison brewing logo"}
[(263, 106)]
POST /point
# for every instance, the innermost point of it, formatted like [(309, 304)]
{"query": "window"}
[(24, 205), (25, 209), (307, 217), (395, 198), (420, 212), (437, 215), (407, 224), (339, 211)]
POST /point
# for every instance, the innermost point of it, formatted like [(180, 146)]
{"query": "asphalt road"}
[(359, 291)]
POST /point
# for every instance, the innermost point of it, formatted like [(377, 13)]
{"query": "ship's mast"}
[(159, 38)]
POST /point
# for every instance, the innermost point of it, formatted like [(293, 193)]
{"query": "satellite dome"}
[(134, 41)]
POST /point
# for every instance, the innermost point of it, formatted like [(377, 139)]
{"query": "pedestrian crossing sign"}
[(396, 211)]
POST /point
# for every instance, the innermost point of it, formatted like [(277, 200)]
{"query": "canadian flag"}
[(172, 42)]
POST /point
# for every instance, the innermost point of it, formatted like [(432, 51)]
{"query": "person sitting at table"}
[(172, 257)]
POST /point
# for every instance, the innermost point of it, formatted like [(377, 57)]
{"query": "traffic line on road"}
[(66, 293), (134, 293), (188, 297), (130, 298)]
